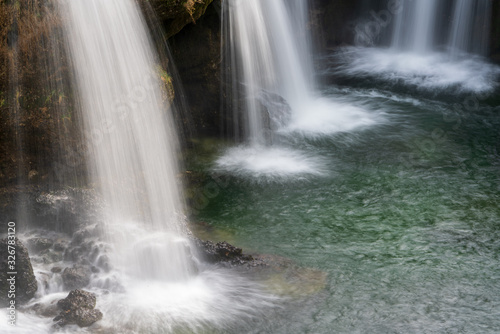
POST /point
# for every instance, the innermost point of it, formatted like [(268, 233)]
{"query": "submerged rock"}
[(24, 279), (78, 308)]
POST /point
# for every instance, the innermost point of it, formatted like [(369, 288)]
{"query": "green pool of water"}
[(405, 220)]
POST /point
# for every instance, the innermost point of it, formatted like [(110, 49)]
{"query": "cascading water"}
[(272, 73), (131, 138), (266, 57), (470, 27), (147, 276), (414, 26), (417, 26), (153, 281), (428, 51)]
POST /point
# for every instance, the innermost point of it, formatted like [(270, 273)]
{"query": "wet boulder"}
[(78, 308), (76, 277), (278, 111), (22, 285), (39, 245), (50, 310), (223, 252)]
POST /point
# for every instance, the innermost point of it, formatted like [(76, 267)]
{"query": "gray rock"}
[(78, 299), (76, 277), (25, 280), (39, 244), (51, 310), (224, 253), (78, 308)]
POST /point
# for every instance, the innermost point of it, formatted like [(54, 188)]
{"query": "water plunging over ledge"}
[(155, 283), (428, 52), (274, 93), (131, 138)]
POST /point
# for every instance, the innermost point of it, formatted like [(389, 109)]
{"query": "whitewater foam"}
[(429, 71), (268, 162), (324, 116)]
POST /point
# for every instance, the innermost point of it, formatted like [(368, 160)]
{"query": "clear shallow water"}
[(404, 220)]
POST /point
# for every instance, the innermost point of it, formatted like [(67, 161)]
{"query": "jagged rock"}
[(78, 299), (196, 54), (227, 251), (78, 308), (39, 244), (25, 281), (223, 252), (76, 277)]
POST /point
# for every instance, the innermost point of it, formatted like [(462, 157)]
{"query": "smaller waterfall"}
[(435, 46), (273, 89), (266, 58), (418, 26), (414, 26), (470, 27)]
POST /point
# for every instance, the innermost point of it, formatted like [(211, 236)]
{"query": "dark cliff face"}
[(37, 120), (176, 14), (196, 52), (333, 22)]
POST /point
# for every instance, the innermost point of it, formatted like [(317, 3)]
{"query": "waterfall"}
[(470, 27), (417, 27), (270, 58), (274, 93), (414, 26), (436, 47), (131, 138)]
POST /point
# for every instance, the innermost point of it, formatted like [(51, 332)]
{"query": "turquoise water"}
[(404, 218)]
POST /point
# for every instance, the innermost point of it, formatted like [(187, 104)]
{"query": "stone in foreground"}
[(78, 309)]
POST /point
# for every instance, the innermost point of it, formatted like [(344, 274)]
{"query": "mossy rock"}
[(175, 14)]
